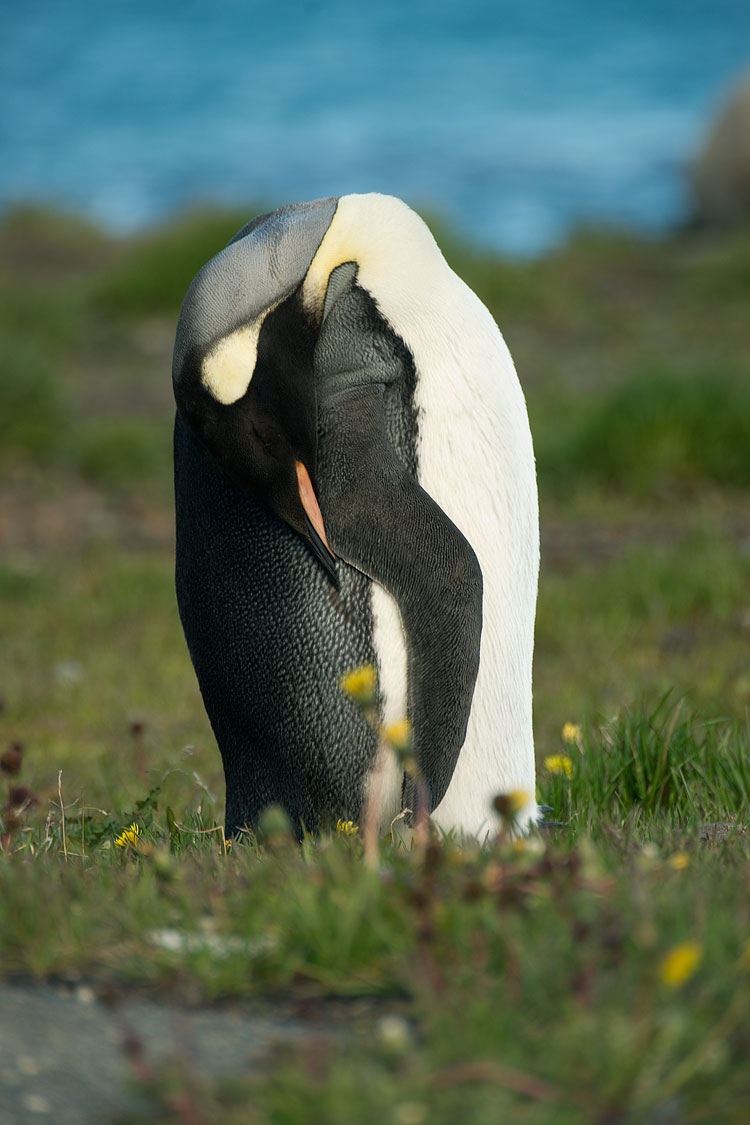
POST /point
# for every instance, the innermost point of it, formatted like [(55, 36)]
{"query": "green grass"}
[(155, 269), (529, 982), (661, 763), (656, 430), (639, 605), (532, 977), (31, 400), (94, 644), (121, 454)]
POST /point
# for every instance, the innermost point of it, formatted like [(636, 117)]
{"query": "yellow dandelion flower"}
[(680, 963), (347, 828), (509, 805), (679, 861), (129, 837), (559, 763), (571, 732), (399, 734), (360, 685)]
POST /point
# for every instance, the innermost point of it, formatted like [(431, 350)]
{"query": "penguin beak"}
[(315, 526)]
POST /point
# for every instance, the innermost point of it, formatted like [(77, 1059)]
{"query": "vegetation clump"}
[(624, 947), (594, 971)]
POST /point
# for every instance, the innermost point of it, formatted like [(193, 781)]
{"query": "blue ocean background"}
[(516, 121)]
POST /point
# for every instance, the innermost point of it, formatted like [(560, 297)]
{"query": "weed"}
[(657, 430), (661, 761)]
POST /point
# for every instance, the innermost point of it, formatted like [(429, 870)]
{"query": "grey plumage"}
[(270, 638), (265, 261)]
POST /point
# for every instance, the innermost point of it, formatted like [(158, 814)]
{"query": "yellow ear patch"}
[(342, 243), (228, 369), (391, 245)]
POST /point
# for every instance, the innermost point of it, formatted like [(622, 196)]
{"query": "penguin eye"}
[(267, 440)]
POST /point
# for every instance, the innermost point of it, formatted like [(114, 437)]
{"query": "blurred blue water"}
[(516, 120)]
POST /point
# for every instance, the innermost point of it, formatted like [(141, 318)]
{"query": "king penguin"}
[(354, 484)]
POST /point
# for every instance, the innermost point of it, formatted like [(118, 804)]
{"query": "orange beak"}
[(312, 511)]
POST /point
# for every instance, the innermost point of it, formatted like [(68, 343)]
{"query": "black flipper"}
[(381, 521)]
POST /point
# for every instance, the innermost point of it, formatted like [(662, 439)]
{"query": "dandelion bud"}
[(164, 864), (10, 762), (19, 795), (509, 805), (559, 763), (12, 821), (274, 827), (679, 964), (572, 732), (361, 685), (409, 765), (399, 735), (347, 828)]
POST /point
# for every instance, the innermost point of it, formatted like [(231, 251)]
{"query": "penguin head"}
[(258, 356), (243, 366)]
